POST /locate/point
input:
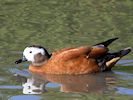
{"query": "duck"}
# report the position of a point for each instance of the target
(74, 60)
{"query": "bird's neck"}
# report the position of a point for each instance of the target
(37, 67)
(38, 64)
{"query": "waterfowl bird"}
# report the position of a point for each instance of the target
(78, 60)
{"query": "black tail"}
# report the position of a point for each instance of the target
(108, 42)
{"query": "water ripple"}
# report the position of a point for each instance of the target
(125, 91)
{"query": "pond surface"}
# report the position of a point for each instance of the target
(16, 83)
(56, 24)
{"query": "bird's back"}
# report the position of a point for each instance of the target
(71, 61)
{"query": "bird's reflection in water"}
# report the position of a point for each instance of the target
(70, 83)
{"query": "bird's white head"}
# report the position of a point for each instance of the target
(30, 52)
(35, 54)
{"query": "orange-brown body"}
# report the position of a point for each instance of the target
(81, 60)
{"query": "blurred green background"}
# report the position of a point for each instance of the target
(57, 24)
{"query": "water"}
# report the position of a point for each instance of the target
(16, 83)
(56, 24)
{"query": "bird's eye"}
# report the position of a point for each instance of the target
(30, 51)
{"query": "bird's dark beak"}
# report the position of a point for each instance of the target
(21, 60)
